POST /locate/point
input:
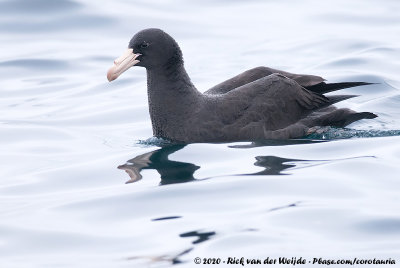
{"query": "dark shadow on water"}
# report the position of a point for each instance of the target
(167, 218)
(157, 260)
(199, 237)
(273, 165)
(179, 172)
(170, 171)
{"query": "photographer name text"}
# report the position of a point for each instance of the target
(292, 261)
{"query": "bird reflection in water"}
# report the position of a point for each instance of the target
(169, 170)
(180, 172)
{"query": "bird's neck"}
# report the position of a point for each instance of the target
(172, 96)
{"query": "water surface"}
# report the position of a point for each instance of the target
(70, 140)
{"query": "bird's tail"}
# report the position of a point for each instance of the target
(343, 117)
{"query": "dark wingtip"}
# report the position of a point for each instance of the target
(337, 98)
(323, 87)
(362, 83)
(368, 115)
(352, 84)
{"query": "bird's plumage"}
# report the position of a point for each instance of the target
(261, 103)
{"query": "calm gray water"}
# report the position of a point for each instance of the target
(67, 136)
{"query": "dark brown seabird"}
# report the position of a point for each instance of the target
(261, 103)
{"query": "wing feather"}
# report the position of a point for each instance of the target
(274, 100)
(254, 74)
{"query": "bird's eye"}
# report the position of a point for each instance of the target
(144, 45)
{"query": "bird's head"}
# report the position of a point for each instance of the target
(149, 48)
